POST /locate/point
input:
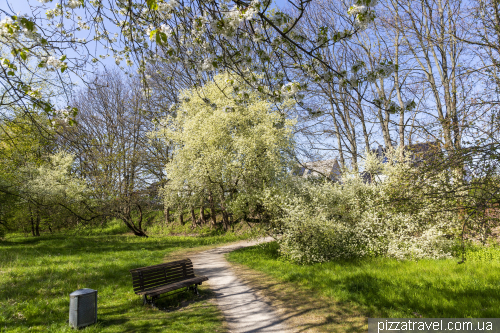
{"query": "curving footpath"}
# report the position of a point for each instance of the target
(243, 309)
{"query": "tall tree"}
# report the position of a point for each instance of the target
(226, 152)
(114, 153)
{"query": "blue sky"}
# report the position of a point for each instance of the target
(18, 6)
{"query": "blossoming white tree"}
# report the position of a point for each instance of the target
(225, 151)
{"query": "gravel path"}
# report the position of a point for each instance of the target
(243, 309)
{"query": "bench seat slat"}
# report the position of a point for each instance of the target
(162, 273)
(162, 279)
(173, 286)
(147, 286)
(145, 270)
(168, 264)
(159, 267)
(162, 276)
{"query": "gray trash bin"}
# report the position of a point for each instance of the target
(82, 307)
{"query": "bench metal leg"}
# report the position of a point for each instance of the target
(150, 301)
(196, 290)
(153, 299)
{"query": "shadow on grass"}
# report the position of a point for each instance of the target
(422, 297)
(383, 287)
(37, 276)
(173, 312)
(302, 311)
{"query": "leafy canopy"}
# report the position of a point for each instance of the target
(228, 141)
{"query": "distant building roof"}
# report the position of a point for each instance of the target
(329, 168)
(380, 153)
(424, 151)
(419, 152)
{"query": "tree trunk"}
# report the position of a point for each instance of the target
(337, 133)
(133, 228)
(181, 217)
(126, 217)
(212, 210)
(231, 222)
(193, 217)
(32, 223)
(37, 225)
(203, 220)
(225, 220)
(166, 210)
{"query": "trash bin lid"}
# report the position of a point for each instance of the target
(83, 291)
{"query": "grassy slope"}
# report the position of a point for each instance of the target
(38, 274)
(384, 287)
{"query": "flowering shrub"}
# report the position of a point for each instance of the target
(316, 222)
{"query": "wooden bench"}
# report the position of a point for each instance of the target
(152, 281)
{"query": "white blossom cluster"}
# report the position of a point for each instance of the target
(66, 115)
(290, 89)
(209, 64)
(168, 6)
(234, 18)
(52, 63)
(51, 13)
(15, 28)
(83, 25)
(5, 63)
(73, 4)
(165, 29)
(363, 12)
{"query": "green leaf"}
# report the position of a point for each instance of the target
(28, 24)
(23, 55)
(63, 69)
(10, 73)
(152, 4)
(164, 37)
(44, 41)
(63, 58)
(46, 106)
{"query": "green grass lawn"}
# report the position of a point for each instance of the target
(388, 288)
(38, 274)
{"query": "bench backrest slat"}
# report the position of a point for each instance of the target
(146, 278)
